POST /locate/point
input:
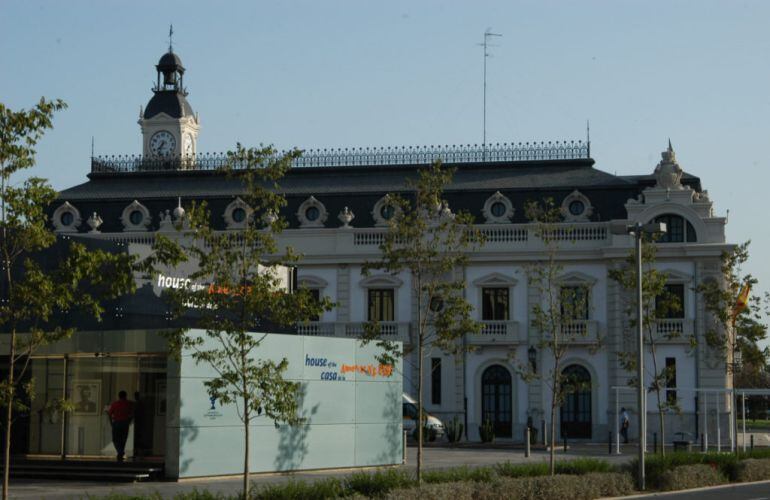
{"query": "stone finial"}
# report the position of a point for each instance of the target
(668, 173)
(179, 211)
(346, 216)
(94, 222)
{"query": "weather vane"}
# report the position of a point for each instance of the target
(170, 38)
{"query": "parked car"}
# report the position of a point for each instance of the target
(434, 426)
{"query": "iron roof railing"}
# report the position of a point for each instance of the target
(355, 157)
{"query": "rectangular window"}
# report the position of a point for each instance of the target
(435, 381)
(670, 303)
(574, 302)
(671, 380)
(381, 304)
(316, 294)
(494, 306)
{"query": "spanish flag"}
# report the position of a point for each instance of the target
(743, 300)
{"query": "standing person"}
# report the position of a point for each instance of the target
(121, 412)
(625, 422)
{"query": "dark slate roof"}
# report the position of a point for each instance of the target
(169, 60)
(171, 102)
(359, 188)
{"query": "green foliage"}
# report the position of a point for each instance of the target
(728, 464)
(691, 476)
(487, 431)
(454, 430)
(30, 296)
(300, 490)
(377, 483)
(430, 243)
(507, 469)
(465, 473)
(581, 466)
(246, 271)
(196, 494)
(525, 488)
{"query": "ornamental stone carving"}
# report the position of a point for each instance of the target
(668, 173)
(346, 216)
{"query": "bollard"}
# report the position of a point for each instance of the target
(542, 431)
(404, 447)
(752, 443)
(565, 442)
(655, 442)
(526, 446)
(609, 444)
(702, 444)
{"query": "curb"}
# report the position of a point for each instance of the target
(692, 490)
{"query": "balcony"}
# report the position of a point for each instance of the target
(389, 330)
(674, 330)
(580, 331)
(496, 333)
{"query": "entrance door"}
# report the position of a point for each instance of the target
(576, 409)
(496, 399)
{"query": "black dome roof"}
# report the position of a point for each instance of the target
(171, 102)
(169, 60)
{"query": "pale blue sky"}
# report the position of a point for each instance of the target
(361, 73)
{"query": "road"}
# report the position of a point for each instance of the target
(751, 491)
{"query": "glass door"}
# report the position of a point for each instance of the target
(92, 384)
(45, 417)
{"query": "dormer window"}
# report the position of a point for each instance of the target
(678, 229)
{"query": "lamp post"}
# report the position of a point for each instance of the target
(638, 230)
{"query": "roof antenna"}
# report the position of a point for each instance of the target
(488, 33)
(170, 38)
(92, 146)
(588, 137)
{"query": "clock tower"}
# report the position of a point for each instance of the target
(169, 125)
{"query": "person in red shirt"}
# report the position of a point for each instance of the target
(121, 412)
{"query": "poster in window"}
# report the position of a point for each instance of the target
(160, 398)
(86, 395)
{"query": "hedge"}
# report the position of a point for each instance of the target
(574, 487)
(686, 477)
(753, 469)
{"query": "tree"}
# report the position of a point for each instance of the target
(556, 315)
(246, 271)
(736, 315)
(426, 240)
(33, 296)
(658, 303)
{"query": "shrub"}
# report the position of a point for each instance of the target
(508, 469)
(300, 490)
(377, 483)
(657, 465)
(753, 469)
(487, 431)
(454, 430)
(585, 487)
(455, 474)
(583, 466)
(691, 476)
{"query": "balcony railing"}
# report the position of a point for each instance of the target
(496, 332)
(580, 331)
(355, 157)
(674, 329)
(389, 330)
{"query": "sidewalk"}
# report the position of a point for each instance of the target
(434, 458)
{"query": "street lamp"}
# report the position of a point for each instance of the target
(638, 230)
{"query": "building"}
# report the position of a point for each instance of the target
(338, 210)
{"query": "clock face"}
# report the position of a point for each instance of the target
(187, 145)
(162, 143)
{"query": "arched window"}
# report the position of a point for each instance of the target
(678, 229)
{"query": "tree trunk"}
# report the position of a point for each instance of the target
(662, 424)
(552, 454)
(9, 416)
(419, 411)
(246, 422)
